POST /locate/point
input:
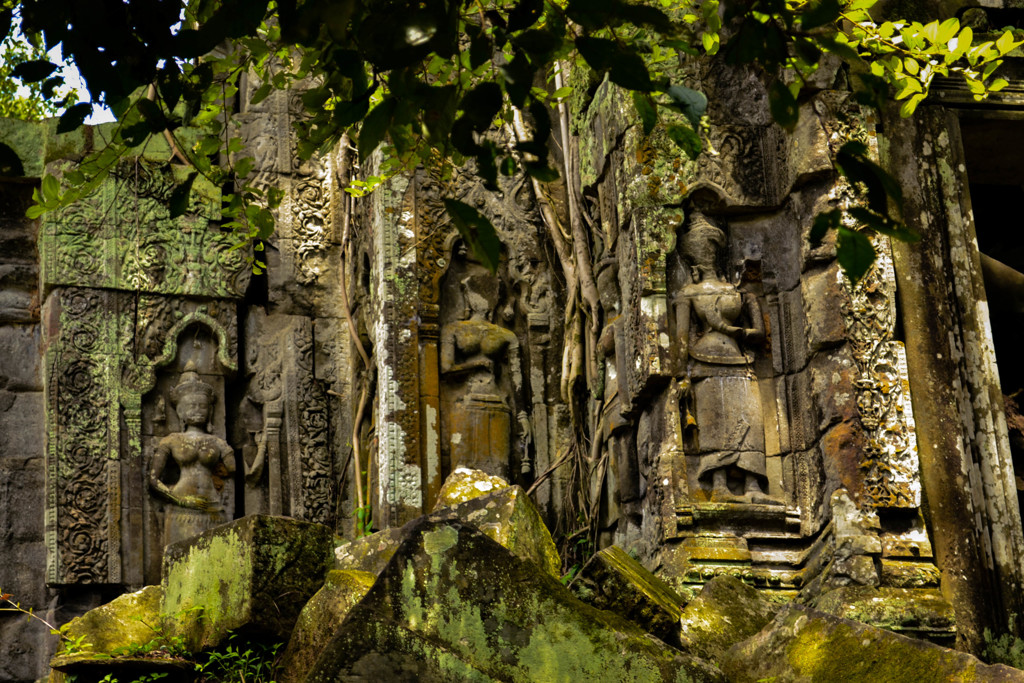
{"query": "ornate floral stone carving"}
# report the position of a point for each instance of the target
(83, 483)
(122, 237)
(890, 463)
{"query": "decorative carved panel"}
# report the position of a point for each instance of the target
(122, 237)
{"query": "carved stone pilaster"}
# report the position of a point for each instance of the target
(642, 250)
(890, 463)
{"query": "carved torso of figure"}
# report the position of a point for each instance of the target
(197, 455)
(718, 306)
(194, 497)
(474, 347)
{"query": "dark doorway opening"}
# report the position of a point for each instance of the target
(994, 151)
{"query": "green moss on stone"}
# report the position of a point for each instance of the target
(129, 620)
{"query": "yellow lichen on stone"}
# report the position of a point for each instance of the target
(465, 484)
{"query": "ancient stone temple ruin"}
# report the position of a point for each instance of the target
(661, 358)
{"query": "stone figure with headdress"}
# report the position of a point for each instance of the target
(718, 328)
(194, 498)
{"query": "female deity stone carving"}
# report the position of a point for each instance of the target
(715, 320)
(194, 498)
(474, 353)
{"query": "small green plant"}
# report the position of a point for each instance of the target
(239, 661)
(69, 645)
(1005, 648)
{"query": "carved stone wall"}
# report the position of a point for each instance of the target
(828, 377)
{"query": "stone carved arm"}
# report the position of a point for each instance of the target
(755, 333)
(227, 456)
(254, 471)
(683, 306)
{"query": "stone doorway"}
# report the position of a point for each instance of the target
(994, 155)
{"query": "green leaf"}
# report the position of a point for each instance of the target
(824, 222)
(208, 145)
(525, 14)
(629, 71)
(260, 94)
(692, 103)
(854, 163)
(854, 252)
(597, 51)
(783, 105)
(178, 203)
(647, 111)
(538, 43)
(883, 225)
(33, 70)
(152, 114)
(1004, 43)
(35, 211)
(820, 13)
(74, 117)
(49, 189)
(375, 127)
(947, 30)
(477, 232)
(687, 140)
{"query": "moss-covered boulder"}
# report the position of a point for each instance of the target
(368, 553)
(453, 605)
(466, 484)
(127, 622)
(803, 644)
(915, 612)
(614, 581)
(724, 613)
(319, 620)
(507, 515)
(255, 574)
(123, 639)
(510, 517)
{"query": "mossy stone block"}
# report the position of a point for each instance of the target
(132, 619)
(320, 618)
(368, 553)
(803, 644)
(508, 515)
(466, 484)
(255, 573)
(453, 605)
(614, 581)
(917, 612)
(27, 139)
(724, 613)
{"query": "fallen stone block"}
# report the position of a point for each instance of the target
(319, 620)
(914, 612)
(453, 605)
(127, 622)
(507, 515)
(466, 484)
(724, 613)
(805, 645)
(254, 573)
(614, 581)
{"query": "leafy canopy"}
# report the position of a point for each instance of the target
(427, 79)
